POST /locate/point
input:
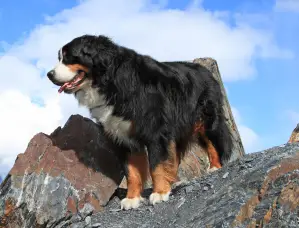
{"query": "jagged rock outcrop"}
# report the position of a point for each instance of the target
(238, 149)
(295, 135)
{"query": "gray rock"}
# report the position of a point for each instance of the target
(225, 175)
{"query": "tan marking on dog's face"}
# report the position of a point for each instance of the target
(77, 67)
(66, 72)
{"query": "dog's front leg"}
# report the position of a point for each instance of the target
(137, 173)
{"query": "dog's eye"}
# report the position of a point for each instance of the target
(81, 71)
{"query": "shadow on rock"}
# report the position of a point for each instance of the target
(92, 147)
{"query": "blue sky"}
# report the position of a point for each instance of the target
(23, 16)
(254, 42)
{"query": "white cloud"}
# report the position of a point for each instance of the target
(287, 5)
(250, 139)
(21, 118)
(164, 34)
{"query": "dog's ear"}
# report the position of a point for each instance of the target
(94, 55)
(87, 54)
(105, 50)
(96, 52)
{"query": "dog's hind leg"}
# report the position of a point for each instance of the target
(221, 138)
(217, 141)
(204, 141)
(213, 132)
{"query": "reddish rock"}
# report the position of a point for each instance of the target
(74, 171)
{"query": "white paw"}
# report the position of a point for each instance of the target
(158, 198)
(212, 169)
(133, 203)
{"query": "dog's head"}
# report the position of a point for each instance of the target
(79, 60)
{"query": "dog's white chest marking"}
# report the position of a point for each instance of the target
(118, 128)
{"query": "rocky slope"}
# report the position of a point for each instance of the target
(258, 190)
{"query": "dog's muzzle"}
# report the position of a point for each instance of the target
(69, 85)
(51, 76)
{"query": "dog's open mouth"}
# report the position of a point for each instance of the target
(78, 79)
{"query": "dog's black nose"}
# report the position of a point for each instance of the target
(51, 74)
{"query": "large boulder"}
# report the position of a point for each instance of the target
(66, 175)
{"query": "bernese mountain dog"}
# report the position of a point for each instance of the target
(154, 109)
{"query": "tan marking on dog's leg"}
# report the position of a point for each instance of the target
(164, 175)
(213, 156)
(212, 153)
(137, 175)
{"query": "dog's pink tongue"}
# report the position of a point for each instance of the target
(61, 89)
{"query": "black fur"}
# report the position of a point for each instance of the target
(164, 99)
